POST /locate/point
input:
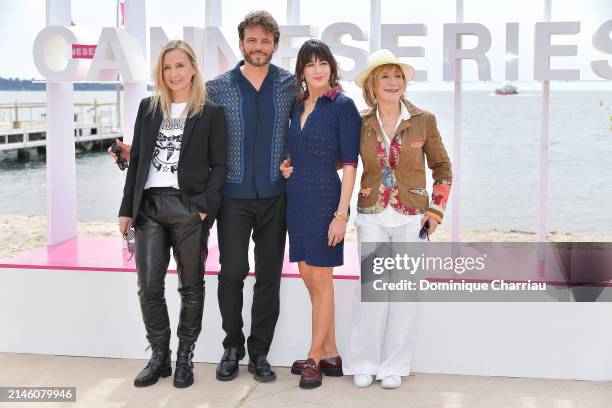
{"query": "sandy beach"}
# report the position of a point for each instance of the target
(19, 234)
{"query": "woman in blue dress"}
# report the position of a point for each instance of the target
(325, 128)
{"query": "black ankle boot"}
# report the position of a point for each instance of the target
(158, 366)
(183, 375)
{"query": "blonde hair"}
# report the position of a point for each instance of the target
(368, 83)
(161, 93)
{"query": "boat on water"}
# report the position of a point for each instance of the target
(507, 90)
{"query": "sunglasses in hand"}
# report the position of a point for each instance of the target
(424, 232)
(131, 242)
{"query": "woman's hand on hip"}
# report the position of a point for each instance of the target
(336, 232)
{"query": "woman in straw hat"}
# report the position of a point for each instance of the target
(393, 207)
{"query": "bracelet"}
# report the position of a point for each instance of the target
(341, 217)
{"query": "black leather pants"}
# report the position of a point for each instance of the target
(167, 220)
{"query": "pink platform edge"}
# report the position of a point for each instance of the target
(106, 254)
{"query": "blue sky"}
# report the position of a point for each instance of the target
(20, 22)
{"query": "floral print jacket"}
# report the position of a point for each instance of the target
(398, 179)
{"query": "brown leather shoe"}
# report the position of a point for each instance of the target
(311, 375)
(331, 366)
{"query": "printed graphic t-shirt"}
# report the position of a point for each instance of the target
(164, 164)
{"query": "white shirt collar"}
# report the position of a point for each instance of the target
(405, 115)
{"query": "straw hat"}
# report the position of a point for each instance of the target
(383, 57)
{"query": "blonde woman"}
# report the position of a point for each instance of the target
(171, 196)
(393, 206)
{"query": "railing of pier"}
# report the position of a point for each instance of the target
(19, 115)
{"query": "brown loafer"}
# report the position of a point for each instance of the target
(312, 377)
(331, 366)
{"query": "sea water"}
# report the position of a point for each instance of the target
(500, 162)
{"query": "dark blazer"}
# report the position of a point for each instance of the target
(202, 164)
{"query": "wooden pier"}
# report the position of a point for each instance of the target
(93, 122)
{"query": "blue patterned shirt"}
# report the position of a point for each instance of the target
(257, 123)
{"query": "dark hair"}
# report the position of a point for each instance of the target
(259, 18)
(314, 50)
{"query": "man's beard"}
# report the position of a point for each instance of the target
(251, 61)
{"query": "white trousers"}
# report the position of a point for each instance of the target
(382, 337)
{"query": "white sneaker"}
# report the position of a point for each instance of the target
(391, 381)
(362, 380)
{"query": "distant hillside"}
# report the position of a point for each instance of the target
(15, 84)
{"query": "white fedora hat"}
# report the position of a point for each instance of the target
(383, 57)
